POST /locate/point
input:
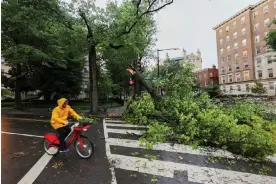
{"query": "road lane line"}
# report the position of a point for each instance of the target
(126, 125)
(115, 121)
(108, 154)
(25, 119)
(27, 135)
(123, 131)
(35, 171)
(195, 173)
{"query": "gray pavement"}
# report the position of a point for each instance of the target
(119, 158)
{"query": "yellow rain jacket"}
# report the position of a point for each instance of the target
(60, 114)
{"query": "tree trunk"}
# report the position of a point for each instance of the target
(93, 93)
(18, 103)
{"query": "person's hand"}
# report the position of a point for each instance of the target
(66, 123)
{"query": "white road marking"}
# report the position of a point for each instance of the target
(28, 135)
(179, 148)
(108, 154)
(35, 171)
(125, 125)
(115, 121)
(195, 173)
(124, 131)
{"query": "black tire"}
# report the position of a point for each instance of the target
(90, 146)
(49, 150)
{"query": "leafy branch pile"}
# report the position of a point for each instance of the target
(185, 117)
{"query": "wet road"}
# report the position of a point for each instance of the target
(119, 159)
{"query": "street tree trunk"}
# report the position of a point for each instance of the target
(93, 92)
(18, 102)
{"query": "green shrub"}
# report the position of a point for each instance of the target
(139, 109)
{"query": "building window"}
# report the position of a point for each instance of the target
(234, 24)
(270, 72)
(268, 48)
(223, 79)
(228, 58)
(271, 85)
(255, 14)
(205, 75)
(257, 39)
(266, 22)
(236, 46)
(259, 61)
(257, 27)
(243, 31)
(244, 54)
(230, 78)
(222, 69)
(258, 50)
(244, 42)
(238, 77)
(211, 74)
(236, 56)
(235, 35)
(228, 38)
(224, 89)
(221, 41)
(270, 60)
(237, 66)
(247, 87)
(245, 64)
(231, 88)
(239, 87)
(265, 9)
(229, 68)
(227, 28)
(85, 70)
(222, 60)
(221, 51)
(260, 73)
(242, 20)
(220, 32)
(274, 4)
(228, 48)
(246, 75)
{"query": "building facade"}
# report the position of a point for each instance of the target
(241, 49)
(207, 76)
(195, 59)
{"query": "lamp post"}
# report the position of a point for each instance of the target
(158, 50)
(158, 62)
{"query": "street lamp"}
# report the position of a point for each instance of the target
(158, 72)
(158, 50)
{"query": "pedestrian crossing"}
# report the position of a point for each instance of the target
(164, 161)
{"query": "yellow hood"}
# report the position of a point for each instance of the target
(61, 101)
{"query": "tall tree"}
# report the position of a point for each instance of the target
(26, 38)
(271, 37)
(110, 27)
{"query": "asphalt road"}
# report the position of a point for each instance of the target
(118, 158)
(21, 152)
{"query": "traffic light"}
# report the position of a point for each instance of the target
(131, 81)
(139, 65)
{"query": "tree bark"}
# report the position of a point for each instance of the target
(93, 92)
(18, 102)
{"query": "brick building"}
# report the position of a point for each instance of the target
(207, 76)
(241, 48)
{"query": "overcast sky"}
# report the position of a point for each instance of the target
(188, 24)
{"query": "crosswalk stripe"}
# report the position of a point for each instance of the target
(126, 125)
(167, 147)
(124, 131)
(196, 173)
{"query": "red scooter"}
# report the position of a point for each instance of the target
(83, 146)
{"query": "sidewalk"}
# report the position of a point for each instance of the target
(8, 111)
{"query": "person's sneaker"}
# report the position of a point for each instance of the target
(64, 151)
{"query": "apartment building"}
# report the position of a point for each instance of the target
(207, 76)
(241, 49)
